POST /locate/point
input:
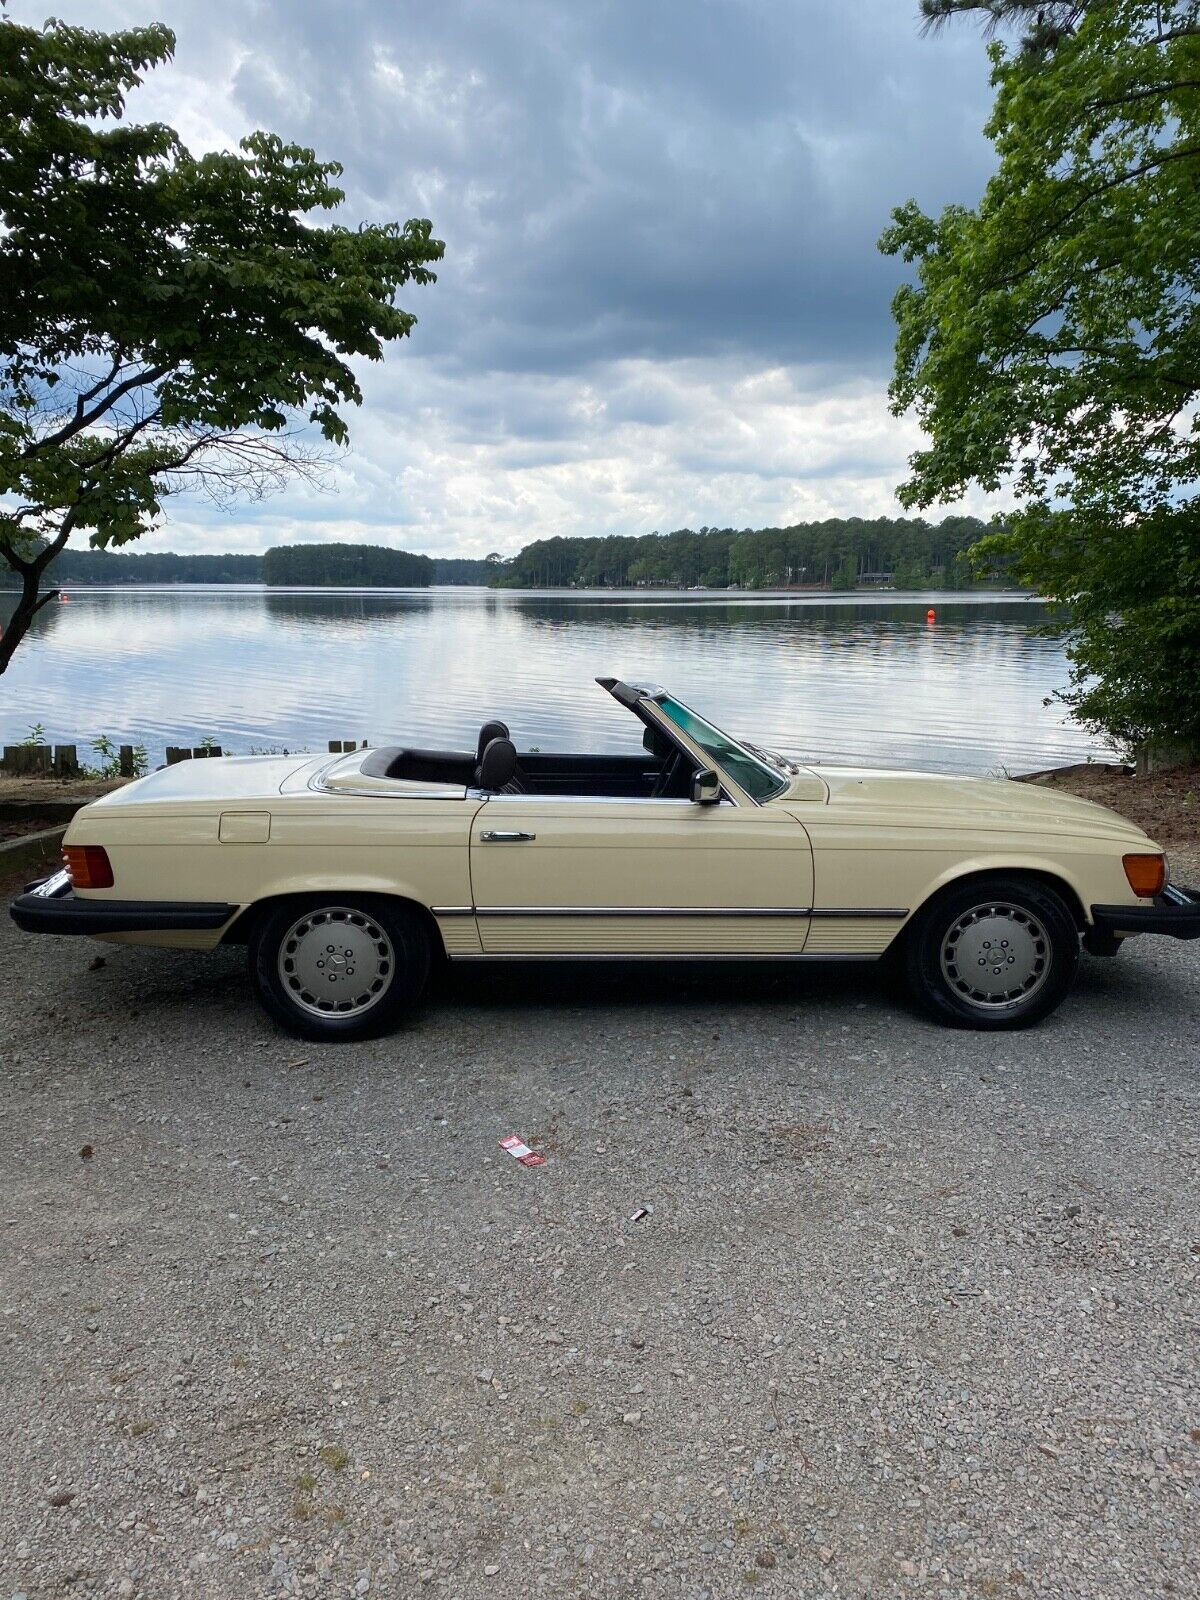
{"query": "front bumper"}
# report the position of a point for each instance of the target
(51, 906)
(1175, 912)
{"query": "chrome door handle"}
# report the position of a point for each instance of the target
(495, 836)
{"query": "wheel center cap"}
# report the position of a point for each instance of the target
(336, 962)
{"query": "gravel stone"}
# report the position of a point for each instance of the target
(914, 1314)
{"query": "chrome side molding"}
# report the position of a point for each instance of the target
(642, 911)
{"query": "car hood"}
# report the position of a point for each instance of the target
(983, 802)
(214, 779)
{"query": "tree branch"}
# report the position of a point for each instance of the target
(1094, 194)
(118, 445)
(1142, 94)
(102, 383)
(84, 419)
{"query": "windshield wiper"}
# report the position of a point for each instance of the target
(772, 757)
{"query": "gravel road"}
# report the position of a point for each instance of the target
(911, 1312)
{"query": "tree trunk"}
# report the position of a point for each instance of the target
(30, 603)
(27, 608)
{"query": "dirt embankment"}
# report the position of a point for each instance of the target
(41, 791)
(30, 805)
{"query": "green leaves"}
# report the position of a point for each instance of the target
(1051, 339)
(166, 321)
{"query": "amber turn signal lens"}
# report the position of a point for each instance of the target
(88, 866)
(1147, 874)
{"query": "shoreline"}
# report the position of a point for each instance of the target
(947, 596)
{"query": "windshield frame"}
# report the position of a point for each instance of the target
(766, 780)
(647, 702)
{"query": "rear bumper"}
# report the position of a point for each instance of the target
(51, 907)
(1175, 912)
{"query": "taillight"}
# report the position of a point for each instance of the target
(1147, 874)
(88, 866)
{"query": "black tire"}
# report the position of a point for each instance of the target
(1017, 922)
(389, 943)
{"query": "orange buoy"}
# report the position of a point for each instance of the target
(931, 615)
(63, 598)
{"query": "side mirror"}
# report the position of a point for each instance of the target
(706, 788)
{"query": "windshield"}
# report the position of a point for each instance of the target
(755, 775)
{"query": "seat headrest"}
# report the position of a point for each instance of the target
(489, 731)
(498, 764)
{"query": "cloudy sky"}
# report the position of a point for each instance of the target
(661, 304)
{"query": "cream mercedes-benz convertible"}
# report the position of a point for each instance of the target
(347, 875)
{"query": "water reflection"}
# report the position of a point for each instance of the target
(835, 679)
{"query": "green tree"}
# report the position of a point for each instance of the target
(1051, 342)
(846, 576)
(345, 566)
(1045, 22)
(166, 321)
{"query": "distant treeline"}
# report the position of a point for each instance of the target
(118, 566)
(319, 564)
(345, 566)
(841, 553)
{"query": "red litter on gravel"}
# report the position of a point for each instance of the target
(526, 1156)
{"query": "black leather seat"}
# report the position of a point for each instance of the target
(489, 731)
(497, 771)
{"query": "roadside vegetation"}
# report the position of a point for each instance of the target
(1050, 342)
(107, 752)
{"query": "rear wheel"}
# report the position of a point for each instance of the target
(995, 953)
(343, 967)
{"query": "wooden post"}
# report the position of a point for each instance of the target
(126, 761)
(335, 747)
(27, 760)
(1164, 755)
(176, 753)
(202, 750)
(66, 761)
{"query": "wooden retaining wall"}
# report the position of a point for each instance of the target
(62, 760)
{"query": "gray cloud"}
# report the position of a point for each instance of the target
(645, 202)
(650, 178)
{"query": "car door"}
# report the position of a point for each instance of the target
(567, 876)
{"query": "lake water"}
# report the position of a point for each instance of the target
(827, 678)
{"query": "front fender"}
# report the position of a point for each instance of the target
(1087, 879)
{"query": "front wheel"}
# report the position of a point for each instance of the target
(996, 953)
(341, 967)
